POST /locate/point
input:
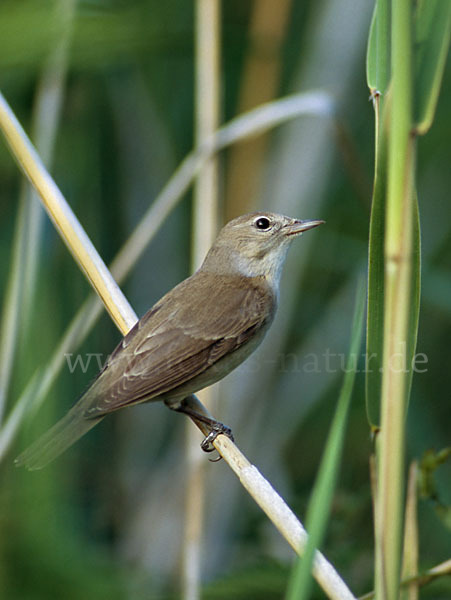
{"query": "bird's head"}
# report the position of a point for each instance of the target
(255, 245)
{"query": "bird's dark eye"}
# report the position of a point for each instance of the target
(262, 223)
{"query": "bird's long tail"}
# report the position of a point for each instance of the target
(57, 439)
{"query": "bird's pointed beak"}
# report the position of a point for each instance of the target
(297, 227)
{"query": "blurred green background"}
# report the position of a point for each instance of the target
(106, 520)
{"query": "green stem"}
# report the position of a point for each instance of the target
(398, 268)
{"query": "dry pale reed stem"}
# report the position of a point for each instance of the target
(207, 94)
(282, 517)
(65, 221)
(274, 507)
(21, 285)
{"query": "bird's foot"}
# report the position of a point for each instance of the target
(193, 408)
(217, 428)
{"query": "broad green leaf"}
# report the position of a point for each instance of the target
(415, 285)
(432, 36)
(378, 50)
(375, 310)
(371, 53)
(321, 499)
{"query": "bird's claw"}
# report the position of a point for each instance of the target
(216, 429)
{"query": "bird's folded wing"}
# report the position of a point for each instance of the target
(176, 341)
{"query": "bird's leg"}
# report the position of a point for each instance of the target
(192, 407)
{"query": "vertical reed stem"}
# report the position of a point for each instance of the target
(205, 210)
(398, 268)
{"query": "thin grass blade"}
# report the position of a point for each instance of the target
(319, 505)
(432, 37)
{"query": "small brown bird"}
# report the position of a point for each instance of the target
(195, 335)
